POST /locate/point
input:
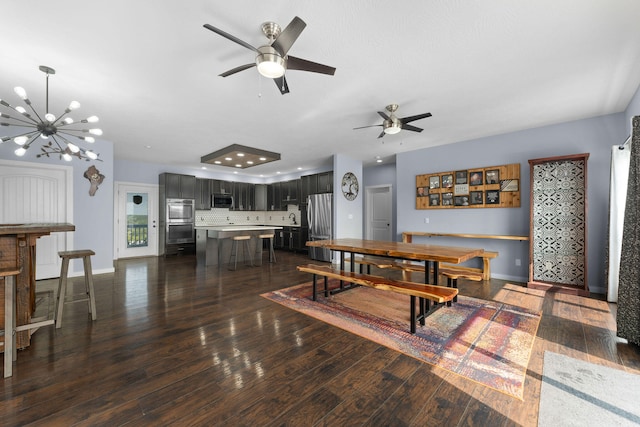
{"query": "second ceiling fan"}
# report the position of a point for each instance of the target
(392, 124)
(272, 59)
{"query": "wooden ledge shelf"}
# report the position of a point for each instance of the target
(407, 236)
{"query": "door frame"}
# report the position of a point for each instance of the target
(125, 186)
(369, 209)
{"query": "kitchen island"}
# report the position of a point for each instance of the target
(213, 243)
(18, 249)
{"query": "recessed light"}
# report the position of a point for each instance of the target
(240, 154)
(278, 172)
(299, 169)
(204, 168)
(249, 162)
(228, 159)
(147, 146)
(238, 166)
(379, 161)
(218, 162)
(262, 159)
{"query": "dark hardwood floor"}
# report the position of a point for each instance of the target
(179, 344)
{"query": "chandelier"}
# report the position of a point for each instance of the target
(58, 132)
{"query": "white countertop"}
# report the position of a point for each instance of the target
(233, 227)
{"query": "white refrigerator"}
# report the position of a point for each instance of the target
(320, 221)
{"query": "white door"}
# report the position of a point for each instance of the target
(38, 193)
(137, 220)
(379, 213)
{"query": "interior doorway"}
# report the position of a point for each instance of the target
(136, 219)
(379, 213)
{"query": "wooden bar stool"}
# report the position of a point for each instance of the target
(85, 254)
(272, 254)
(245, 251)
(10, 351)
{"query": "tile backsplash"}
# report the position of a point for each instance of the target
(217, 216)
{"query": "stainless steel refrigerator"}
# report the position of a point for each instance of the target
(320, 221)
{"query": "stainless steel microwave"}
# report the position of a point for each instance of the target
(222, 201)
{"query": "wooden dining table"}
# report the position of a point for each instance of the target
(431, 255)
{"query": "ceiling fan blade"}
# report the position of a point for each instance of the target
(363, 127)
(413, 118)
(411, 128)
(288, 36)
(294, 63)
(283, 87)
(381, 135)
(237, 69)
(384, 116)
(230, 37)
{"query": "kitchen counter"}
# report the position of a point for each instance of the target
(213, 243)
(234, 227)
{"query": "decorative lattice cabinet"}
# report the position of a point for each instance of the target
(558, 221)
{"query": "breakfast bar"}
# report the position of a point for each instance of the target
(18, 250)
(213, 243)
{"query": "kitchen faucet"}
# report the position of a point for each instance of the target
(292, 215)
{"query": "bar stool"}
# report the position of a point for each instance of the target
(85, 254)
(245, 251)
(272, 254)
(10, 351)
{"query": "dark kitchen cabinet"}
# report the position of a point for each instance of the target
(274, 197)
(325, 182)
(244, 194)
(290, 239)
(221, 187)
(177, 186)
(308, 185)
(203, 193)
(290, 191)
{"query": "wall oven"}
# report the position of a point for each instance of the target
(180, 210)
(180, 232)
(180, 221)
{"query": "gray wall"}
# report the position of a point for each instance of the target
(594, 136)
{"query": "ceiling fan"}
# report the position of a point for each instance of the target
(272, 60)
(392, 124)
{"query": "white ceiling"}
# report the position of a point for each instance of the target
(149, 70)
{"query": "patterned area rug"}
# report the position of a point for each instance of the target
(486, 342)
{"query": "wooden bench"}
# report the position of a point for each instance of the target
(381, 262)
(453, 275)
(437, 294)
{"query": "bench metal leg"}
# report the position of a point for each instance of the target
(452, 283)
(413, 314)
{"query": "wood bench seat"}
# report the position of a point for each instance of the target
(437, 294)
(382, 262)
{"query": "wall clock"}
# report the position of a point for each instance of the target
(350, 186)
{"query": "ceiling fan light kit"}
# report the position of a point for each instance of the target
(270, 63)
(58, 130)
(272, 60)
(392, 125)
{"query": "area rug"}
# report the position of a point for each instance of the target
(487, 342)
(579, 393)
